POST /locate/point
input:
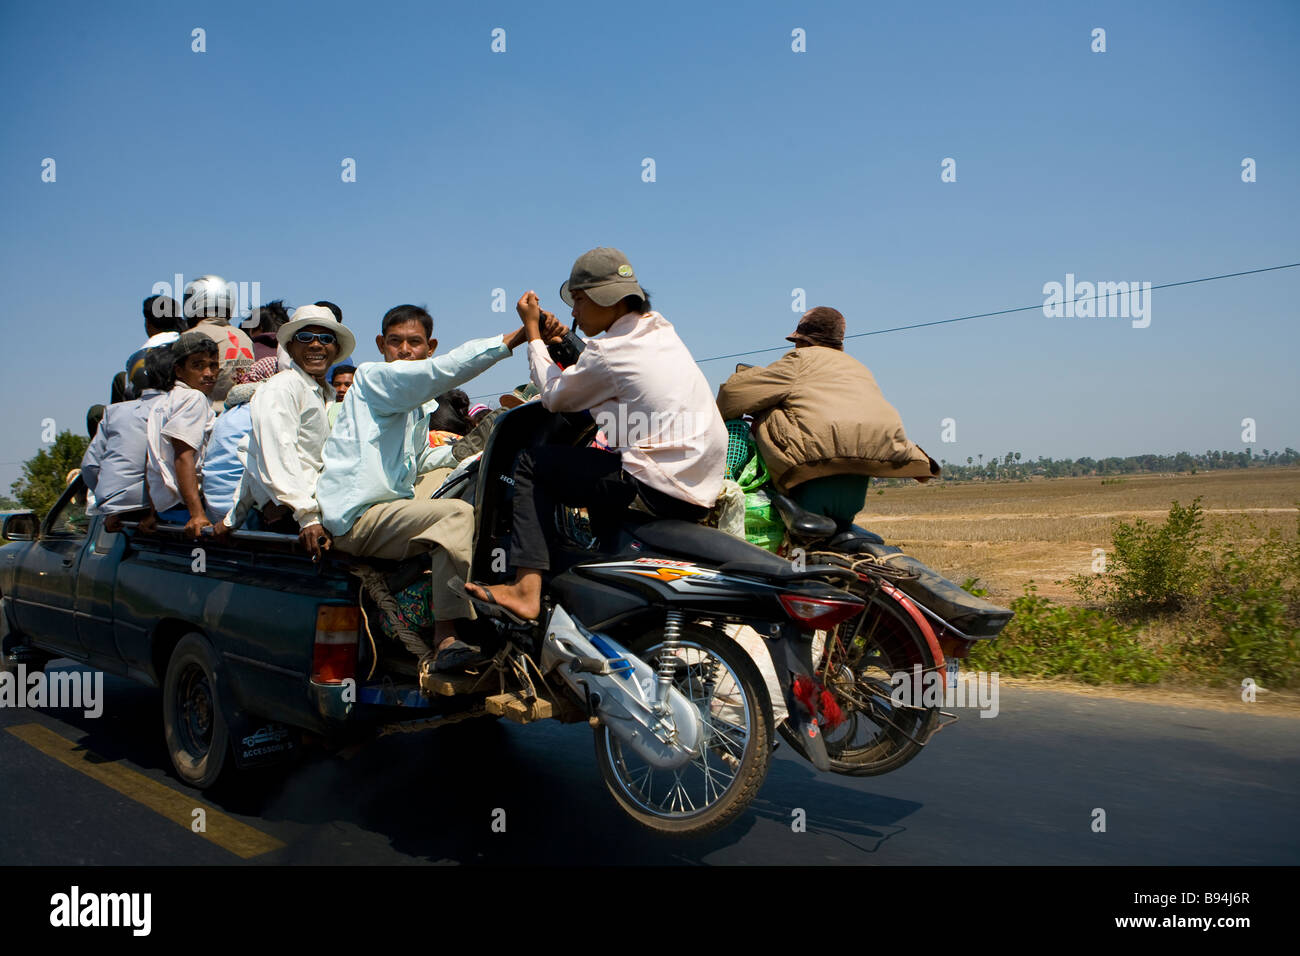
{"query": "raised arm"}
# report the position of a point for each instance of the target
(395, 388)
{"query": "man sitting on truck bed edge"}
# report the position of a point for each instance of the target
(379, 446)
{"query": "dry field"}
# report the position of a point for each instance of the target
(1006, 533)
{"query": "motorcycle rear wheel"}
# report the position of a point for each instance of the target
(877, 736)
(712, 790)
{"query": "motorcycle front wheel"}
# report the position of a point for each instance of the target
(710, 791)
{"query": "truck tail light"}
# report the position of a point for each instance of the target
(334, 656)
(819, 613)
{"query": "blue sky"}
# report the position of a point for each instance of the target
(775, 170)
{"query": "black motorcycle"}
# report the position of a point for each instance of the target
(632, 637)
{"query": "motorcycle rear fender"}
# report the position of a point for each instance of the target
(918, 619)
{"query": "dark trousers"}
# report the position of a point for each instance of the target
(580, 478)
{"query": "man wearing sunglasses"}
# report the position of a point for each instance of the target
(290, 425)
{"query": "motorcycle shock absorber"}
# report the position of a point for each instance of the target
(668, 658)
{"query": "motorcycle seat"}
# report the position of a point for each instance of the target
(802, 525)
(805, 527)
(687, 540)
(855, 540)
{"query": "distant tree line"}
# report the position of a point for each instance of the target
(1010, 465)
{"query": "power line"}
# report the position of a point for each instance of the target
(985, 315)
(981, 315)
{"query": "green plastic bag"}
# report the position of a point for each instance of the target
(763, 526)
(754, 475)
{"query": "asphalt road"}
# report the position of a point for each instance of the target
(1178, 786)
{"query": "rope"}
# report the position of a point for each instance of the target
(379, 593)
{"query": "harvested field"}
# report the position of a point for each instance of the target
(1008, 532)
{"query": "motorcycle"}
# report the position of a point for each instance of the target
(632, 637)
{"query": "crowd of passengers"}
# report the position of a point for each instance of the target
(266, 426)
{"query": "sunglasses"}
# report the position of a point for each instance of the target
(324, 338)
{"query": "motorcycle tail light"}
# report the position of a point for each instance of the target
(334, 655)
(819, 613)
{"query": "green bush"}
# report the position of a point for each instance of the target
(1050, 640)
(1253, 609)
(1152, 568)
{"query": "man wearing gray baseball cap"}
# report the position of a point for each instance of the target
(667, 443)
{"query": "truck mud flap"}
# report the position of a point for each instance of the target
(257, 742)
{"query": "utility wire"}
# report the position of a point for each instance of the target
(985, 315)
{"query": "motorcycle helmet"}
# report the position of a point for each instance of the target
(208, 297)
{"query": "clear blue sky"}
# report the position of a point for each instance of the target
(775, 170)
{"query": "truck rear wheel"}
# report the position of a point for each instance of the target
(198, 741)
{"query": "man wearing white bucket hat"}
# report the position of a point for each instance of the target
(290, 425)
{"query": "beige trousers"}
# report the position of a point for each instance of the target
(395, 530)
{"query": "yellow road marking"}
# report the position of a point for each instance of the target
(226, 832)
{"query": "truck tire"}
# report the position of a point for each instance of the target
(198, 741)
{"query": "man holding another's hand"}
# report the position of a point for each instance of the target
(380, 445)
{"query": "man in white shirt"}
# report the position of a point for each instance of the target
(668, 444)
(179, 426)
(290, 425)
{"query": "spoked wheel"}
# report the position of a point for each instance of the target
(197, 739)
(856, 663)
(715, 787)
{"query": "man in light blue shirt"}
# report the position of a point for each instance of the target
(379, 446)
(223, 464)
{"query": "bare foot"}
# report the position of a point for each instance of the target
(523, 597)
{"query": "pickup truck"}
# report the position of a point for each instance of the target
(251, 643)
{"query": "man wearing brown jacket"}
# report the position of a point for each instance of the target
(821, 423)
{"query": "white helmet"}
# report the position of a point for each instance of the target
(209, 297)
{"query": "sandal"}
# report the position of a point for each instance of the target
(457, 656)
(488, 606)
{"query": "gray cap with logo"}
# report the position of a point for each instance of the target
(604, 274)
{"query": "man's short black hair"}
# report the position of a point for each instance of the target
(452, 413)
(160, 369)
(163, 314)
(94, 415)
(407, 313)
(268, 317)
(350, 369)
(338, 313)
(635, 303)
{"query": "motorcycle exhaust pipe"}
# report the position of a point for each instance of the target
(621, 688)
